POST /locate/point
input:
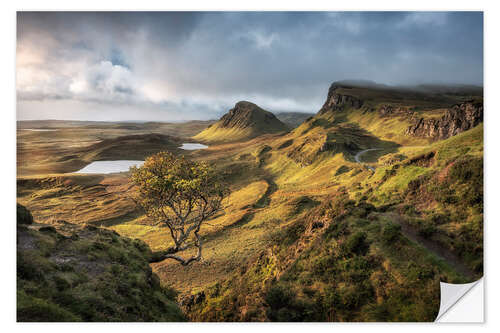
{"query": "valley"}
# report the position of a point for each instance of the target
(354, 213)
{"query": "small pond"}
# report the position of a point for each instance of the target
(193, 146)
(38, 129)
(109, 166)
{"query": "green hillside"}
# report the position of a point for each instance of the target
(86, 274)
(357, 214)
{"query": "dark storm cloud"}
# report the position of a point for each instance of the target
(195, 65)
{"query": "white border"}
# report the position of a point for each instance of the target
(8, 168)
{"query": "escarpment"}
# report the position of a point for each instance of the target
(338, 101)
(459, 118)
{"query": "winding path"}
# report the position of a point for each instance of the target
(358, 155)
(432, 246)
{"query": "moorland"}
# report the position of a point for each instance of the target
(354, 213)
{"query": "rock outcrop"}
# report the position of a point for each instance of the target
(389, 110)
(23, 215)
(246, 114)
(336, 101)
(457, 119)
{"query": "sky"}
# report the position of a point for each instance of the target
(176, 66)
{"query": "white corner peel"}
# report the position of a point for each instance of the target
(455, 302)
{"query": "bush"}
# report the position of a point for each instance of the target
(440, 218)
(467, 170)
(336, 229)
(363, 209)
(427, 229)
(357, 243)
(289, 235)
(342, 169)
(284, 307)
(391, 232)
(279, 297)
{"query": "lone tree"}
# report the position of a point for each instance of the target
(178, 194)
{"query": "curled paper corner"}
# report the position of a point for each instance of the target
(460, 303)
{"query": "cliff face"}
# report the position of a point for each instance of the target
(336, 101)
(457, 119)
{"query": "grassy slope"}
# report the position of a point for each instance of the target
(89, 274)
(263, 243)
(235, 239)
(216, 133)
(322, 277)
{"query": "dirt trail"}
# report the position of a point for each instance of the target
(437, 249)
(358, 156)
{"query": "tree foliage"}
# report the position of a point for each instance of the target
(178, 194)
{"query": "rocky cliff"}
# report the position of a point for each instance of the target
(337, 101)
(457, 119)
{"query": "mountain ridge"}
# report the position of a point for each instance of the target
(245, 120)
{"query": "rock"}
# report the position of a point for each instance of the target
(23, 215)
(317, 225)
(190, 300)
(246, 114)
(388, 110)
(199, 297)
(457, 119)
(48, 229)
(336, 101)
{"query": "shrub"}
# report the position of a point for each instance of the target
(336, 229)
(440, 218)
(342, 169)
(362, 209)
(357, 244)
(289, 235)
(427, 229)
(391, 232)
(279, 297)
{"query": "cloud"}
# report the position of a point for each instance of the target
(425, 19)
(104, 81)
(262, 40)
(197, 65)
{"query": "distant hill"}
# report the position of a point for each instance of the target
(133, 146)
(293, 119)
(181, 129)
(246, 120)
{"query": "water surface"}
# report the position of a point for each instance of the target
(193, 146)
(109, 166)
(38, 129)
